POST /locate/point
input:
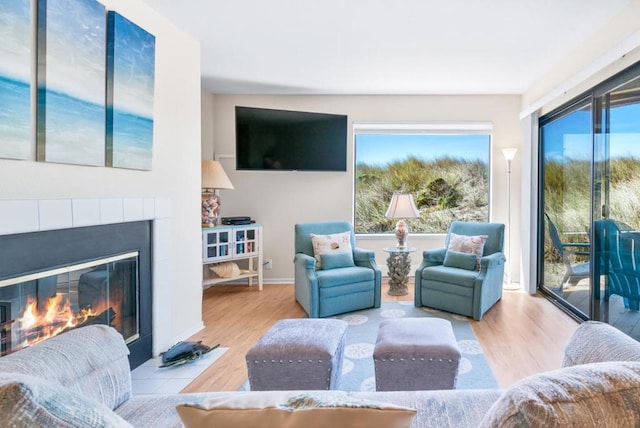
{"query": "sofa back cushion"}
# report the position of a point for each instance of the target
(589, 395)
(26, 401)
(595, 342)
(91, 361)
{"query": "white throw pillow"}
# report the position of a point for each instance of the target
(330, 244)
(468, 244)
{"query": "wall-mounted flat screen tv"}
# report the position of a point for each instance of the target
(268, 139)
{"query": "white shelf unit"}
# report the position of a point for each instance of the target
(231, 243)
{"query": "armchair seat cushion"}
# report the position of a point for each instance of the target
(348, 275)
(462, 277)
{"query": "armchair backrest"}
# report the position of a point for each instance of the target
(494, 232)
(303, 233)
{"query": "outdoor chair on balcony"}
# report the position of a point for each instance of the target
(465, 277)
(619, 247)
(332, 275)
(574, 272)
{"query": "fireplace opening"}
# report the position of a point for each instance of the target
(74, 276)
(39, 306)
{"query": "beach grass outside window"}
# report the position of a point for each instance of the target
(444, 167)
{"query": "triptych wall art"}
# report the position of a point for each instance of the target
(15, 79)
(95, 82)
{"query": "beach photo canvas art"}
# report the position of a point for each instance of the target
(130, 93)
(15, 78)
(71, 109)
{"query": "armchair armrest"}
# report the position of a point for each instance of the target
(435, 256)
(430, 258)
(304, 261)
(364, 258)
(492, 260)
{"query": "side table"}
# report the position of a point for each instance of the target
(399, 265)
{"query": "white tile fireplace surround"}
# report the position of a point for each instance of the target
(23, 216)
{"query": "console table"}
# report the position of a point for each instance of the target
(232, 243)
(399, 265)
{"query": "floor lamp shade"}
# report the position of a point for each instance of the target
(213, 177)
(402, 206)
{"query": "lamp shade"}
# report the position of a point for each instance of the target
(509, 154)
(213, 176)
(402, 206)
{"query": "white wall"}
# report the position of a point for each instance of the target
(176, 166)
(279, 199)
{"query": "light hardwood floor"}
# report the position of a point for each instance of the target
(521, 335)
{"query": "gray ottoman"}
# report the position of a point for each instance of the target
(298, 354)
(413, 354)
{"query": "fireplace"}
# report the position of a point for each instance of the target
(53, 281)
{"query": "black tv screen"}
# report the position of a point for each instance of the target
(268, 139)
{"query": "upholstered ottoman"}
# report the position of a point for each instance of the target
(413, 354)
(298, 354)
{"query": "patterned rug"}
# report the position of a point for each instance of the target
(358, 372)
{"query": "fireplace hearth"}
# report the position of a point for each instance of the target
(53, 281)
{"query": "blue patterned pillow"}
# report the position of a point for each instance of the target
(26, 401)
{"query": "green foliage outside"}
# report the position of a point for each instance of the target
(568, 198)
(444, 190)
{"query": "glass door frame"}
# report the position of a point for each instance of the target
(600, 170)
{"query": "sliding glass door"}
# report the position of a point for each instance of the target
(616, 208)
(566, 164)
(589, 262)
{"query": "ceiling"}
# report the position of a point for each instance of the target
(383, 47)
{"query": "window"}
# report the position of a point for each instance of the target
(445, 168)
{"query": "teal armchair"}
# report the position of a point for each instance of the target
(457, 282)
(334, 289)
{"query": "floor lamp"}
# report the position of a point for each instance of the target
(509, 154)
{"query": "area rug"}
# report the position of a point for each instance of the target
(150, 378)
(358, 372)
(357, 367)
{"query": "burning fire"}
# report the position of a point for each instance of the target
(55, 319)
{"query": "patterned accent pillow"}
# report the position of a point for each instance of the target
(468, 244)
(289, 409)
(26, 401)
(330, 244)
(589, 395)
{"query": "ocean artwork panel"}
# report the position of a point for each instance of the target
(15, 79)
(130, 94)
(71, 108)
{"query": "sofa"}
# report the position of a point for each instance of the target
(84, 373)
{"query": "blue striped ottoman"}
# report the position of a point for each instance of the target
(415, 354)
(298, 354)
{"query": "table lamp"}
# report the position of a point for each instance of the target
(213, 177)
(402, 207)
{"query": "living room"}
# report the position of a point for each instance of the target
(192, 123)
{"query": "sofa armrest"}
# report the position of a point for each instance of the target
(595, 342)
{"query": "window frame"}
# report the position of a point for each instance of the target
(420, 128)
